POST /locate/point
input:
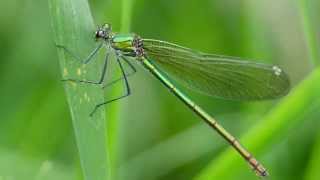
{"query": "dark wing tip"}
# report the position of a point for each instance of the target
(279, 82)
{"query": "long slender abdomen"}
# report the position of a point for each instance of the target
(256, 166)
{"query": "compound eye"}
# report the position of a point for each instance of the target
(97, 34)
(101, 33)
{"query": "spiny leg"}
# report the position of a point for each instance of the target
(102, 77)
(127, 75)
(128, 90)
(87, 59)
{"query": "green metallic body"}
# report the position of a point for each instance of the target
(214, 75)
(124, 43)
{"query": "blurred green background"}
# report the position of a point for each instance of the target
(159, 138)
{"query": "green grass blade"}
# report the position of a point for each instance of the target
(115, 110)
(126, 15)
(312, 170)
(73, 27)
(268, 130)
(313, 167)
(309, 31)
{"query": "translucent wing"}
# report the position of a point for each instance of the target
(215, 75)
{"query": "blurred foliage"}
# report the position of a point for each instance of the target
(72, 24)
(158, 137)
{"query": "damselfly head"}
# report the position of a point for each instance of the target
(103, 32)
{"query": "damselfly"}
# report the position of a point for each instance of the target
(214, 75)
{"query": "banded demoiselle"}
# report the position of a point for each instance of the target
(214, 75)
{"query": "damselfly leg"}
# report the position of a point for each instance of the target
(101, 80)
(74, 55)
(127, 74)
(102, 76)
(128, 90)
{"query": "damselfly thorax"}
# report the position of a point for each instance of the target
(128, 44)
